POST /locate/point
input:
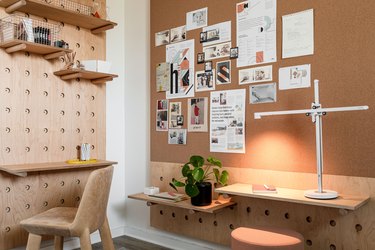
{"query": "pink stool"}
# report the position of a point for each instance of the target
(262, 238)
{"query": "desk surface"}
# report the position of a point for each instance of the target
(215, 206)
(349, 202)
(23, 169)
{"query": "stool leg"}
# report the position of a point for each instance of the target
(59, 242)
(85, 241)
(33, 242)
(105, 235)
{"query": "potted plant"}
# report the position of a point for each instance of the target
(196, 176)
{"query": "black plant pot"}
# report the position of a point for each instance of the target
(204, 197)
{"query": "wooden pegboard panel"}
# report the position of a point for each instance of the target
(322, 227)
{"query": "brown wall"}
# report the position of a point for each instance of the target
(343, 62)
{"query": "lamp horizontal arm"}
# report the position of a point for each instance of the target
(258, 115)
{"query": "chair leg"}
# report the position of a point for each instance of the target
(59, 242)
(85, 241)
(105, 235)
(33, 242)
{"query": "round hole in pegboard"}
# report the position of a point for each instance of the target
(62, 59)
(186, 217)
(78, 147)
(215, 223)
(78, 28)
(27, 73)
(248, 209)
(62, 6)
(62, 24)
(78, 113)
(7, 229)
(78, 181)
(62, 201)
(45, 130)
(45, 93)
(173, 215)
(27, 54)
(45, 75)
(92, 98)
(45, 203)
(231, 226)
(27, 206)
(92, 147)
(7, 110)
(358, 227)
(27, 92)
(92, 48)
(7, 189)
(62, 183)
(45, 185)
(78, 45)
(92, 131)
(7, 129)
(267, 212)
(78, 130)
(78, 10)
(332, 223)
(45, 20)
(27, 187)
(7, 149)
(62, 148)
(78, 198)
(45, 112)
(308, 219)
(7, 90)
(161, 212)
(200, 220)
(62, 130)
(7, 209)
(78, 79)
(27, 149)
(27, 15)
(92, 114)
(62, 95)
(7, 70)
(286, 216)
(27, 130)
(78, 96)
(161, 178)
(62, 112)
(309, 242)
(332, 247)
(27, 111)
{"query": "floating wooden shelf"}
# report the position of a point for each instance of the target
(38, 8)
(23, 169)
(95, 77)
(215, 206)
(49, 52)
(347, 202)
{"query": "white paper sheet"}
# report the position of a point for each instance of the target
(298, 34)
(254, 75)
(262, 93)
(197, 114)
(256, 32)
(227, 121)
(295, 77)
(196, 19)
(218, 33)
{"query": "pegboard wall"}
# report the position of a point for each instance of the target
(45, 119)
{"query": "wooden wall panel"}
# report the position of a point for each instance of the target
(342, 62)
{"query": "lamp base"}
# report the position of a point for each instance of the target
(324, 195)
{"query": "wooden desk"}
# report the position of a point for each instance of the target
(347, 202)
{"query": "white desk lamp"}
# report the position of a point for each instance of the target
(316, 112)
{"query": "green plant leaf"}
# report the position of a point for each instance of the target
(177, 183)
(214, 161)
(190, 179)
(173, 186)
(217, 174)
(198, 174)
(191, 190)
(185, 170)
(197, 161)
(224, 177)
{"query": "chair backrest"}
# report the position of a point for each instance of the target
(93, 207)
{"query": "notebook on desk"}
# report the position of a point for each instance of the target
(169, 196)
(263, 188)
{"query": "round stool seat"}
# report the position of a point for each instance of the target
(262, 238)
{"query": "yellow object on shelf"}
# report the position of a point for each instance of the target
(77, 161)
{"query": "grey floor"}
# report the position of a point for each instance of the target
(128, 243)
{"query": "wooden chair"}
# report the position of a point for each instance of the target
(76, 222)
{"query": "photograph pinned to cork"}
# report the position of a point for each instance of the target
(197, 19)
(254, 75)
(178, 34)
(223, 72)
(205, 80)
(177, 136)
(262, 93)
(162, 38)
(200, 58)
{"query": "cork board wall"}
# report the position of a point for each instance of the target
(342, 61)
